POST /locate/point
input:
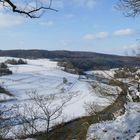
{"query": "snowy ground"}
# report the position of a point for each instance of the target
(103, 73)
(4, 97)
(124, 127)
(45, 78)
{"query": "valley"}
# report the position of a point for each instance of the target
(77, 101)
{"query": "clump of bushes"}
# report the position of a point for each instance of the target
(16, 62)
(125, 72)
(4, 69)
(70, 68)
(121, 74)
(5, 72)
(3, 66)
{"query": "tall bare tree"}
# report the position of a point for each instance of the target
(45, 109)
(50, 109)
(30, 8)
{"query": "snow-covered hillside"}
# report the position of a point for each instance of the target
(45, 78)
(127, 126)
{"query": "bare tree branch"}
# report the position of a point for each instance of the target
(130, 8)
(32, 12)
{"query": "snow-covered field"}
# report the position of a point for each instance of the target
(45, 78)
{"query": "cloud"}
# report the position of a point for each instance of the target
(102, 35)
(124, 32)
(89, 37)
(99, 35)
(7, 20)
(131, 46)
(132, 49)
(85, 3)
(47, 23)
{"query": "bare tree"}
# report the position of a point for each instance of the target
(46, 110)
(30, 8)
(50, 110)
(4, 121)
(27, 116)
(92, 108)
(130, 7)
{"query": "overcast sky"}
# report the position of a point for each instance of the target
(80, 25)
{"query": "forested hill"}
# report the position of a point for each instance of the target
(81, 60)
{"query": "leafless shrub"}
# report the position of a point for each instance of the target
(92, 108)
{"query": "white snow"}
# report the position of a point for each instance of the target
(126, 126)
(46, 78)
(4, 97)
(103, 73)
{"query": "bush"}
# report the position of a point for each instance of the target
(120, 74)
(65, 80)
(16, 62)
(124, 72)
(21, 61)
(11, 61)
(3, 66)
(4, 69)
(70, 68)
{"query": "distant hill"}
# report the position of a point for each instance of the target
(80, 60)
